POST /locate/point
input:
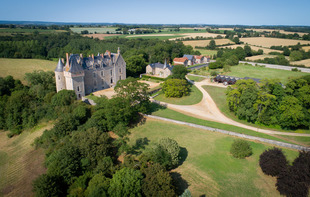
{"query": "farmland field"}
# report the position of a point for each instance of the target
(268, 42)
(94, 29)
(9, 32)
(306, 48)
(259, 57)
(206, 35)
(20, 163)
(207, 52)
(18, 67)
(260, 72)
(209, 169)
(255, 48)
(305, 62)
(281, 31)
(204, 43)
(101, 36)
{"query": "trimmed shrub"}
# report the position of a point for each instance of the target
(272, 161)
(176, 88)
(240, 149)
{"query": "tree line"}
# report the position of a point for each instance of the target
(269, 103)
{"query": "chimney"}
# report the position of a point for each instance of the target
(81, 55)
(92, 56)
(118, 51)
(101, 55)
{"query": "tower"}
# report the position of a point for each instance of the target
(74, 75)
(59, 76)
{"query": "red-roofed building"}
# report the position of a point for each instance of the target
(180, 61)
(200, 59)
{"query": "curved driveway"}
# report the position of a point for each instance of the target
(208, 110)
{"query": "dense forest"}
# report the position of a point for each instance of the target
(269, 103)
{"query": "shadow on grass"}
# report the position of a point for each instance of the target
(183, 155)
(180, 184)
(156, 106)
(139, 146)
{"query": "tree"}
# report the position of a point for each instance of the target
(175, 88)
(273, 161)
(248, 50)
(63, 98)
(157, 182)
(135, 65)
(48, 185)
(98, 186)
(240, 149)
(295, 56)
(211, 45)
(236, 40)
(126, 182)
(135, 92)
(179, 72)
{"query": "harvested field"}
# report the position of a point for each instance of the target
(305, 62)
(143, 35)
(306, 48)
(266, 51)
(268, 42)
(259, 57)
(204, 43)
(99, 30)
(224, 28)
(100, 36)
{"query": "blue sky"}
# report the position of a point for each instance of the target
(244, 12)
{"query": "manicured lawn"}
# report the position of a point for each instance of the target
(260, 72)
(171, 114)
(195, 78)
(18, 67)
(219, 96)
(209, 169)
(194, 97)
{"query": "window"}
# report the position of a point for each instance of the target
(111, 80)
(94, 74)
(120, 77)
(95, 83)
(111, 72)
(58, 77)
(120, 70)
(102, 74)
(78, 88)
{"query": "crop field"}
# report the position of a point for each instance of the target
(101, 36)
(261, 72)
(268, 42)
(9, 32)
(194, 35)
(305, 62)
(18, 67)
(306, 48)
(155, 36)
(208, 168)
(204, 43)
(259, 57)
(20, 163)
(280, 31)
(100, 30)
(255, 48)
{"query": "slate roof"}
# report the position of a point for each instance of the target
(60, 66)
(190, 57)
(161, 66)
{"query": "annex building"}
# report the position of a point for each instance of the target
(85, 75)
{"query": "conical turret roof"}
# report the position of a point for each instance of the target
(60, 66)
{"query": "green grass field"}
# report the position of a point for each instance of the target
(195, 78)
(260, 72)
(219, 96)
(207, 52)
(194, 97)
(209, 169)
(18, 67)
(171, 114)
(99, 30)
(8, 31)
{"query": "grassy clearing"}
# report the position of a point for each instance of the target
(207, 52)
(171, 114)
(209, 169)
(262, 73)
(18, 67)
(20, 163)
(219, 96)
(194, 97)
(195, 79)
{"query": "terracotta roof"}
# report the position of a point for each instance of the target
(198, 56)
(181, 59)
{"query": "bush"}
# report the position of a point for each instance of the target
(295, 69)
(240, 149)
(272, 161)
(214, 73)
(176, 88)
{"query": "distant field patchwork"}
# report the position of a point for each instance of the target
(18, 67)
(268, 42)
(99, 30)
(255, 48)
(204, 43)
(305, 62)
